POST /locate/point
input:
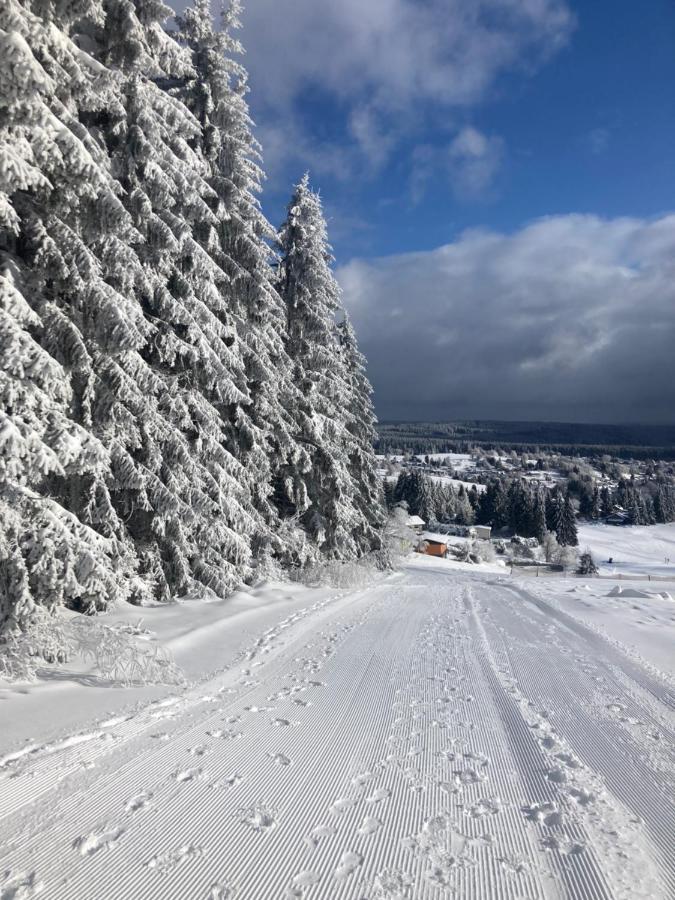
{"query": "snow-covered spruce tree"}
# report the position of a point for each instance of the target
(196, 527)
(335, 517)
(263, 428)
(565, 524)
(63, 541)
(361, 421)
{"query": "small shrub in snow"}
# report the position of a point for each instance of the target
(344, 575)
(45, 639)
(484, 551)
(587, 564)
(566, 557)
(116, 656)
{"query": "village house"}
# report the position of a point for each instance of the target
(416, 523)
(433, 544)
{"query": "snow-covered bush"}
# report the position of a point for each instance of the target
(484, 551)
(45, 639)
(336, 574)
(399, 539)
(587, 564)
(118, 656)
(566, 557)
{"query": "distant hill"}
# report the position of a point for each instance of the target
(637, 441)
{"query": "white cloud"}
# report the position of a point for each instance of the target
(474, 160)
(571, 317)
(388, 62)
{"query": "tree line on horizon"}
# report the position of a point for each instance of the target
(184, 403)
(514, 505)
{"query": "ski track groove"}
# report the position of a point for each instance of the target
(409, 665)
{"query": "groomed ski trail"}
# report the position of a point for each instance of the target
(438, 735)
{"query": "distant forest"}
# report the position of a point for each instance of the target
(627, 441)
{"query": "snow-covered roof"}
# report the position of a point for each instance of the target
(415, 520)
(434, 537)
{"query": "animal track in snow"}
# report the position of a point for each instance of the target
(106, 838)
(258, 818)
(140, 801)
(166, 862)
(349, 863)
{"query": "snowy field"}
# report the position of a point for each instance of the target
(635, 550)
(446, 733)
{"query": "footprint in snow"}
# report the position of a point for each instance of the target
(341, 805)
(283, 723)
(140, 801)
(106, 838)
(349, 863)
(557, 775)
(301, 882)
(362, 779)
(581, 796)
(229, 782)
(569, 760)
(258, 818)
(514, 865)
(545, 813)
(199, 750)
(369, 826)
(379, 795)
(486, 806)
(20, 885)
(280, 759)
(186, 775)
(222, 891)
(321, 832)
(564, 846)
(166, 862)
(226, 734)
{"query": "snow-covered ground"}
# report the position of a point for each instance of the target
(638, 550)
(447, 732)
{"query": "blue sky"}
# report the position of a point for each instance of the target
(452, 138)
(589, 129)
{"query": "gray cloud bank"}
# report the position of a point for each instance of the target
(571, 318)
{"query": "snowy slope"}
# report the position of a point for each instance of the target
(438, 733)
(641, 550)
